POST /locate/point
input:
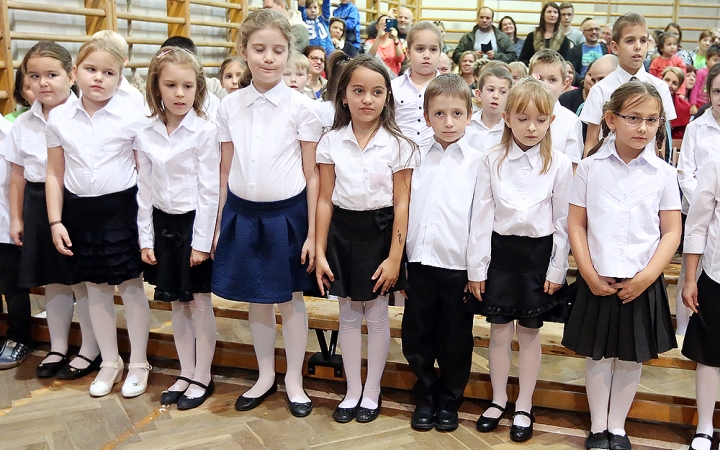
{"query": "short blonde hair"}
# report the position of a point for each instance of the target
(551, 58)
(102, 45)
(114, 37)
(518, 66)
(298, 61)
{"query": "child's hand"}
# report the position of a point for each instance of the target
(477, 288)
(551, 287)
(629, 290)
(308, 254)
(336, 42)
(386, 275)
(196, 257)
(690, 295)
(601, 286)
(148, 256)
(61, 239)
(323, 274)
(16, 232)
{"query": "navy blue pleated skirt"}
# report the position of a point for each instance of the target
(703, 332)
(257, 258)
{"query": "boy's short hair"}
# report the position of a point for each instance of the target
(497, 71)
(550, 57)
(450, 85)
(713, 50)
(678, 73)
(182, 42)
(566, 5)
(308, 3)
(298, 61)
(623, 21)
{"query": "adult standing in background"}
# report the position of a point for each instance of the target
(546, 35)
(581, 56)
(299, 29)
(405, 22)
(348, 12)
(386, 45)
(508, 26)
(567, 13)
(486, 40)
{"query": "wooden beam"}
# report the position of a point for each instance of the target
(107, 21)
(7, 105)
(26, 6)
(236, 16)
(179, 9)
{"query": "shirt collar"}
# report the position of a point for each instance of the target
(648, 154)
(532, 154)
(477, 118)
(36, 108)
(381, 138)
(189, 122)
(460, 145)
(708, 119)
(274, 95)
(624, 76)
(115, 106)
(406, 80)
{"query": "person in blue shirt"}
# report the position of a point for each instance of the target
(317, 24)
(348, 12)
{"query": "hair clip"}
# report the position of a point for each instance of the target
(172, 49)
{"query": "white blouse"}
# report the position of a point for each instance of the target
(440, 204)
(266, 130)
(623, 202)
(5, 169)
(521, 201)
(702, 228)
(409, 109)
(133, 98)
(364, 178)
(700, 145)
(99, 157)
(480, 137)
(566, 133)
(177, 174)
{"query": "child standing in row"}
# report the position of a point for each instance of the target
(624, 225)
(230, 74)
(296, 74)
(486, 126)
(178, 190)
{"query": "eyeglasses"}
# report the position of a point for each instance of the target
(597, 29)
(635, 121)
(316, 59)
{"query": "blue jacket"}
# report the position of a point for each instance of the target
(350, 14)
(318, 28)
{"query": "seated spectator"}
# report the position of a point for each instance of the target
(386, 45)
(582, 55)
(547, 35)
(317, 23)
(348, 12)
(337, 34)
(507, 26)
(675, 77)
(465, 67)
(705, 40)
(316, 56)
(675, 28)
(486, 40)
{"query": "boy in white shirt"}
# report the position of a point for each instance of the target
(486, 126)
(437, 242)
(297, 71)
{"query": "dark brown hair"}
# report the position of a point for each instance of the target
(448, 85)
(624, 20)
(179, 56)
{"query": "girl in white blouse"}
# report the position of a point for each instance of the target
(265, 235)
(178, 190)
(92, 208)
(517, 256)
(624, 226)
(362, 219)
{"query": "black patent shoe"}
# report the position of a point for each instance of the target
(299, 409)
(446, 420)
(423, 418)
(73, 373)
(618, 442)
(185, 402)
(246, 404)
(345, 415)
(597, 440)
(49, 370)
(169, 397)
(522, 434)
(365, 415)
(488, 424)
(702, 436)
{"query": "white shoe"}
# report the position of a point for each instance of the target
(102, 388)
(130, 390)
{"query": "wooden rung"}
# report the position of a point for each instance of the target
(215, 44)
(144, 64)
(2, 64)
(23, 36)
(447, 8)
(4, 95)
(155, 19)
(209, 23)
(144, 41)
(217, 4)
(25, 6)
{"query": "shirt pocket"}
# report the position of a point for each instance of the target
(380, 177)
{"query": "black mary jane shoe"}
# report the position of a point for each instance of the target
(246, 404)
(423, 418)
(185, 402)
(446, 420)
(522, 434)
(618, 442)
(345, 415)
(299, 409)
(488, 424)
(365, 415)
(68, 372)
(597, 440)
(169, 397)
(701, 436)
(49, 370)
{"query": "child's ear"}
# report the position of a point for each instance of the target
(477, 93)
(613, 47)
(506, 118)
(73, 75)
(427, 118)
(243, 53)
(610, 120)
(552, 118)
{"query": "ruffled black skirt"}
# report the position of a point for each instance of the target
(703, 331)
(104, 235)
(358, 242)
(172, 276)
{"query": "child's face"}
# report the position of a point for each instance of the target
(711, 61)
(715, 96)
(467, 63)
(424, 53)
(231, 77)
(570, 70)
(98, 77)
(672, 81)
(632, 48)
(669, 48)
(48, 81)
(551, 75)
(528, 127)
(27, 92)
(266, 55)
(336, 30)
(705, 43)
(631, 135)
(493, 94)
(178, 86)
(444, 64)
(516, 76)
(317, 62)
(448, 117)
(296, 78)
(366, 95)
(690, 78)
(312, 11)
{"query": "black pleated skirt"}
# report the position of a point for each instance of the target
(104, 235)
(172, 276)
(703, 331)
(10, 255)
(604, 327)
(257, 258)
(514, 289)
(41, 263)
(358, 242)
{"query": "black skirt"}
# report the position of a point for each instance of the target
(604, 327)
(104, 235)
(703, 331)
(41, 263)
(10, 255)
(358, 242)
(514, 289)
(172, 276)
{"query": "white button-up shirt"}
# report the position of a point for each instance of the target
(179, 173)
(364, 177)
(409, 109)
(521, 201)
(623, 203)
(700, 145)
(566, 133)
(27, 146)
(266, 130)
(479, 136)
(326, 112)
(5, 169)
(131, 96)
(211, 106)
(440, 204)
(601, 92)
(99, 157)
(702, 228)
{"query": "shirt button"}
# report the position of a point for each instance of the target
(419, 107)
(418, 120)
(434, 203)
(418, 133)
(252, 185)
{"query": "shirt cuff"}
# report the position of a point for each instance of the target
(202, 244)
(147, 241)
(695, 244)
(477, 274)
(555, 275)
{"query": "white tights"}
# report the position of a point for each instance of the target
(611, 385)
(706, 387)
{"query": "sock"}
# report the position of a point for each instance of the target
(350, 341)
(137, 316)
(59, 306)
(529, 367)
(706, 387)
(295, 332)
(499, 360)
(184, 337)
(682, 312)
(102, 315)
(89, 347)
(203, 318)
(376, 317)
(625, 380)
(262, 330)
(598, 377)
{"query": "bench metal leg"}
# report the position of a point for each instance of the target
(326, 357)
